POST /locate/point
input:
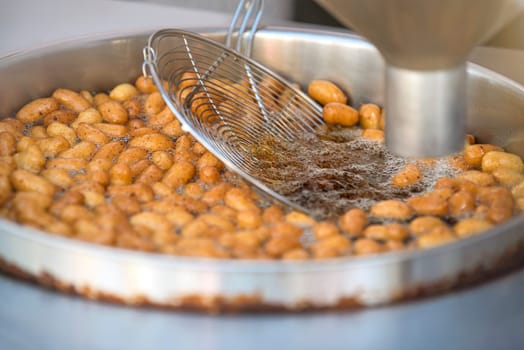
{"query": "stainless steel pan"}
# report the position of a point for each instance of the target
(496, 107)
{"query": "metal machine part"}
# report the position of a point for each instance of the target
(425, 44)
(425, 110)
(495, 106)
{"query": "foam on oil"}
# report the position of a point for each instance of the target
(337, 169)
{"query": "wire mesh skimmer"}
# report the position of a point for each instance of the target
(231, 104)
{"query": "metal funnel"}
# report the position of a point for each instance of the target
(425, 44)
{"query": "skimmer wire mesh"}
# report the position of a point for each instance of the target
(228, 102)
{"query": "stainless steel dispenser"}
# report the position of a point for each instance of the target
(425, 44)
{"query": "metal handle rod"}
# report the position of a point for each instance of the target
(244, 12)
